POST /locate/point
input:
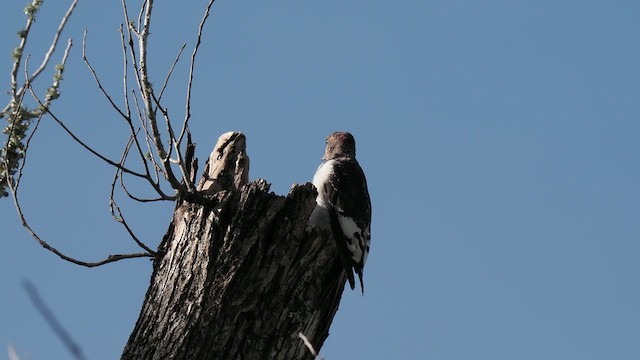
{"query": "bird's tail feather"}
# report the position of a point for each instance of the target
(341, 245)
(359, 272)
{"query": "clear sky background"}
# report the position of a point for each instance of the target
(501, 141)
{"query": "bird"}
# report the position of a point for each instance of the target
(343, 206)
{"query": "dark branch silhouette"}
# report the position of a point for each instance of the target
(51, 320)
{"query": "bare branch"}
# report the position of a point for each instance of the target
(54, 43)
(143, 116)
(179, 161)
(118, 175)
(131, 233)
(125, 70)
(185, 124)
(97, 80)
(147, 95)
(141, 13)
(44, 244)
(16, 180)
(132, 48)
(13, 184)
(147, 175)
(166, 80)
(145, 126)
(87, 147)
(127, 116)
(19, 51)
(53, 323)
(113, 206)
(20, 118)
(26, 148)
(144, 77)
(115, 179)
(187, 117)
(11, 153)
(139, 199)
(191, 161)
(126, 99)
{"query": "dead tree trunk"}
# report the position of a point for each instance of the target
(239, 274)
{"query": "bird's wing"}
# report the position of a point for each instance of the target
(350, 213)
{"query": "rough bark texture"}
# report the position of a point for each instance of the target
(239, 273)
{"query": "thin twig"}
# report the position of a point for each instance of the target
(166, 79)
(141, 13)
(56, 37)
(188, 184)
(114, 206)
(147, 95)
(13, 185)
(17, 96)
(132, 49)
(26, 147)
(44, 244)
(124, 169)
(187, 116)
(19, 51)
(95, 77)
(143, 159)
(132, 234)
(83, 144)
(148, 121)
(10, 134)
(125, 71)
(139, 199)
(147, 136)
(127, 118)
(15, 92)
(91, 150)
(117, 174)
(179, 161)
(44, 106)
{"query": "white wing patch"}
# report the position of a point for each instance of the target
(358, 239)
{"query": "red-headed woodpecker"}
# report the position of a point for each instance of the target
(343, 204)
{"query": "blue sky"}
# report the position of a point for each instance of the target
(501, 141)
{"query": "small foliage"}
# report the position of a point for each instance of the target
(32, 9)
(19, 119)
(16, 54)
(12, 152)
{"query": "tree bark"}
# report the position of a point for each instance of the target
(239, 273)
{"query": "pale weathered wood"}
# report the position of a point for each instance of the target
(239, 272)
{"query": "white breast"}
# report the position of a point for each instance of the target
(320, 178)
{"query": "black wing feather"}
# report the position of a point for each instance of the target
(347, 194)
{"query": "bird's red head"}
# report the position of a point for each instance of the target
(340, 144)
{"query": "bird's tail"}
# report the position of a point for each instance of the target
(359, 272)
(341, 245)
(350, 278)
